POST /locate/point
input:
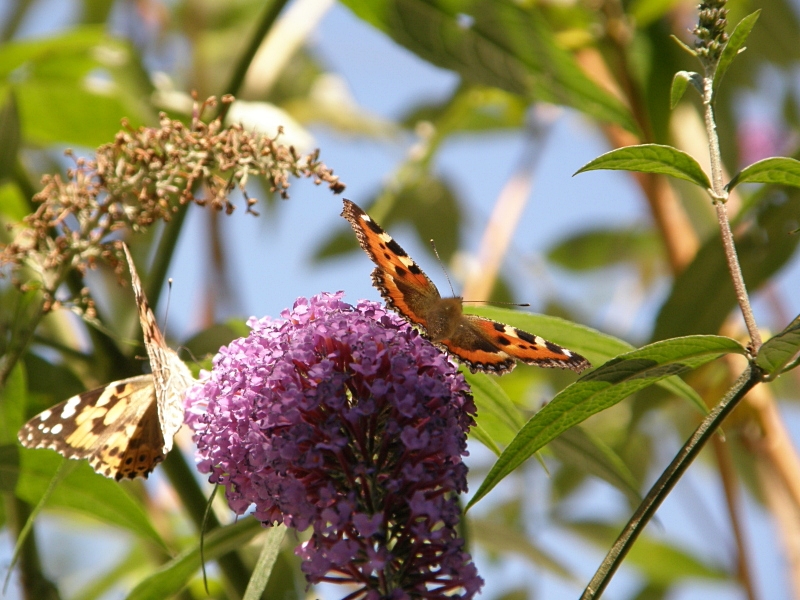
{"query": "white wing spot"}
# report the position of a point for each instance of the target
(56, 429)
(69, 407)
(45, 415)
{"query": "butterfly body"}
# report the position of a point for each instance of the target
(481, 344)
(124, 429)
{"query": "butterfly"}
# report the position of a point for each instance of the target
(481, 344)
(124, 428)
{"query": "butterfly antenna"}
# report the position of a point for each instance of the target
(496, 303)
(441, 264)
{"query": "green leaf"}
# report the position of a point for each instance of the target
(498, 537)
(680, 82)
(13, 204)
(480, 433)
(59, 80)
(702, 296)
(211, 339)
(735, 45)
(661, 563)
(603, 388)
(9, 467)
(173, 576)
(54, 112)
(780, 170)
(779, 350)
(683, 46)
(497, 43)
(9, 135)
(644, 12)
(651, 158)
(266, 561)
(498, 416)
(472, 109)
(13, 397)
(578, 446)
(82, 490)
(600, 248)
(598, 347)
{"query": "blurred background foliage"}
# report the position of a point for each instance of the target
(70, 72)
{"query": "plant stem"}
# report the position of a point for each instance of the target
(271, 11)
(667, 481)
(720, 197)
(192, 497)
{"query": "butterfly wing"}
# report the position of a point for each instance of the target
(486, 345)
(403, 285)
(115, 427)
(171, 377)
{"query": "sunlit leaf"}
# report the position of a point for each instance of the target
(82, 490)
(598, 347)
(680, 82)
(497, 414)
(661, 562)
(13, 397)
(493, 42)
(599, 248)
(579, 447)
(651, 158)
(470, 109)
(779, 350)
(173, 576)
(735, 45)
(266, 561)
(9, 134)
(603, 388)
(497, 537)
(780, 170)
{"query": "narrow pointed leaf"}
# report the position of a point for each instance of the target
(660, 562)
(595, 345)
(680, 82)
(578, 446)
(9, 135)
(82, 490)
(651, 158)
(501, 538)
(266, 561)
(779, 350)
(781, 170)
(735, 45)
(173, 576)
(603, 388)
(498, 416)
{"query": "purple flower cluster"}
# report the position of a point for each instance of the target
(344, 419)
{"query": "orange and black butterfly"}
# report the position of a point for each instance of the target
(481, 344)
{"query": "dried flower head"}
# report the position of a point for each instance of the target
(346, 420)
(144, 176)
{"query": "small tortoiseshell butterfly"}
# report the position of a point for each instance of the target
(481, 344)
(124, 428)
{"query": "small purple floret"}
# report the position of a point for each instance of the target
(346, 420)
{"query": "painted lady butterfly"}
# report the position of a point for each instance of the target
(481, 344)
(125, 428)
